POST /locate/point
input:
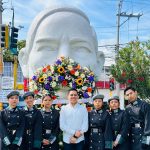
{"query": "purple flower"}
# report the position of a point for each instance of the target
(58, 62)
(50, 78)
(85, 95)
(47, 86)
(74, 85)
(34, 78)
(61, 78)
(91, 78)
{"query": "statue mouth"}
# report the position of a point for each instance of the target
(64, 74)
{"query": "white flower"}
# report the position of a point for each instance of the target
(90, 94)
(70, 84)
(86, 68)
(52, 68)
(53, 84)
(56, 78)
(44, 92)
(44, 76)
(49, 73)
(31, 89)
(66, 77)
(71, 60)
(93, 84)
(76, 73)
(69, 67)
(39, 70)
(82, 75)
(84, 88)
(35, 87)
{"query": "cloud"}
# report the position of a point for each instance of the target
(101, 13)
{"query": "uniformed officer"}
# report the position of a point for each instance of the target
(139, 113)
(100, 131)
(120, 125)
(50, 125)
(12, 124)
(33, 124)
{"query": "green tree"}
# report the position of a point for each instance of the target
(133, 68)
(7, 56)
(21, 44)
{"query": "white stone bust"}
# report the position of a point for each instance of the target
(60, 31)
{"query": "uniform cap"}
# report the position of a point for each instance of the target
(12, 94)
(99, 96)
(28, 94)
(112, 98)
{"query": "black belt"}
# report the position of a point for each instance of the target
(96, 130)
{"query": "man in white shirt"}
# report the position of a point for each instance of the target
(73, 122)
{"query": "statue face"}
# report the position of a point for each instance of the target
(64, 33)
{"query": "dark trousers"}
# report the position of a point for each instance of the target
(77, 146)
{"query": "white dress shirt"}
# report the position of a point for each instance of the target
(72, 119)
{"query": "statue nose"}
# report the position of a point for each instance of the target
(63, 49)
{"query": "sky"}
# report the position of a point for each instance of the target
(102, 16)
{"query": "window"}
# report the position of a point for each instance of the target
(8, 69)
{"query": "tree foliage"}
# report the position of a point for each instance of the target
(7, 56)
(133, 67)
(21, 44)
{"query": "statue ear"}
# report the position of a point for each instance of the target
(100, 62)
(23, 61)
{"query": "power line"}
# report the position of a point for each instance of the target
(146, 29)
(107, 27)
(119, 15)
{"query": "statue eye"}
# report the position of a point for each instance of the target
(82, 49)
(47, 48)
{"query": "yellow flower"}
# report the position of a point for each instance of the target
(61, 69)
(79, 81)
(91, 74)
(41, 80)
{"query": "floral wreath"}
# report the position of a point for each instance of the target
(65, 72)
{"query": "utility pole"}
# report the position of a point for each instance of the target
(1, 52)
(119, 15)
(118, 27)
(15, 58)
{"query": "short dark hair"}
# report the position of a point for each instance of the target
(72, 89)
(129, 88)
(46, 95)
